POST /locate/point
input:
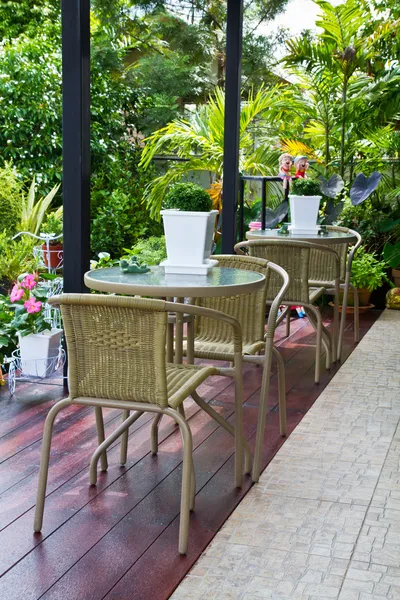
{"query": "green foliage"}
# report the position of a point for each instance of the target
(104, 260)
(53, 225)
(16, 257)
(150, 251)
(305, 187)
(391, 254)
(8, 338)
(367, 272)
(17, 17)
(188, 197)
(10, 199)
(34, 209)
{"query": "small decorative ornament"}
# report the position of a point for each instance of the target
(323, 230)
(284, 230)
(302, 165)
(393, 299)
(285, 165)
(131, 265)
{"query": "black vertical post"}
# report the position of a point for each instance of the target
(241, 209)
(76, 141)
(263, 202)
(233, 69)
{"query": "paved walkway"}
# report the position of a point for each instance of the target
(324, 520)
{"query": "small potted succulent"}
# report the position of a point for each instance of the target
(189, 226)
(39, 343)
(51, 231)
(304, 201)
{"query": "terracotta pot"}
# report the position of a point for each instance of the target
(396, 277)
(52, 258)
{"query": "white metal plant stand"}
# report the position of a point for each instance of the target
(45, 255)
(43, 365)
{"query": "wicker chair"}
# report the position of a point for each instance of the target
(116, 352)
(325, 278)
(299, 259)
(214, 341)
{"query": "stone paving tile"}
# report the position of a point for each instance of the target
(324, 520)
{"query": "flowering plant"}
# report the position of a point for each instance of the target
(27, 300)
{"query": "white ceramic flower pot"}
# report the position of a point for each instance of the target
(189, 238)
(39, 352)
(304, 213)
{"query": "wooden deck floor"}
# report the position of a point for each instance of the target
(119, 540)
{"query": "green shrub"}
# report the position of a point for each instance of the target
(305, 187)
(150, 251)
(10, 199)
(53, 225)
(367, 272)
(16, 257)
(188, 197)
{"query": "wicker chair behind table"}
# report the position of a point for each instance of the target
(323, 275)
(116, 352)
(213, 340)
(299, 259)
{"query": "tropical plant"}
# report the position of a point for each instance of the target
(151, 251)
(10, 199)
(34, 210)
(391, 254)
(200, 141)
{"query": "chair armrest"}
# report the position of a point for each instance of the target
(273, 311)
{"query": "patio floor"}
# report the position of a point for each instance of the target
(119, 540)
(324, 520)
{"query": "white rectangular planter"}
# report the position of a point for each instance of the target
(39, 352)
(304, 213)
(189, 238)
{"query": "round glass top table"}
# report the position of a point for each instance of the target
(333, 237)
(156, 283)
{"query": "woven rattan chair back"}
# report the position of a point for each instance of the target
(248, 309)
(116, 347)
(296, 258)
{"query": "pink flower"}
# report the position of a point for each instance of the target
(16, 293)
(29, 282)
(33, 306)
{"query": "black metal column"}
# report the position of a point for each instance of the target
(76, 141)
(234, 34)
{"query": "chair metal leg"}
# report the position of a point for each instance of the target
(44, 462)
(238, 421)
(262, 413)
(101, 435)
(154, 433)
(248, 459)
(356, 315)
(107, 442)
(287, 333)
(193, 487)
(281, 390)
(343, 316)
(318, 345)
(124, 440)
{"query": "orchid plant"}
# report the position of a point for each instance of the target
(27, 300)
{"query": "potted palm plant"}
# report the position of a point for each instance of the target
(304, 205)
(189, 226)
(39, 343)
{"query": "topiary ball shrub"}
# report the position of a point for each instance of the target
(305, 187)
(10, 199)
(188, 197)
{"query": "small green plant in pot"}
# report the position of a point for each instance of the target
(189, 226)
(53, 227)
(367, 274)
(304, 199)
(391, 254)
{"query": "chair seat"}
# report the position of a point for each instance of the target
(221, 350)
(182, 380)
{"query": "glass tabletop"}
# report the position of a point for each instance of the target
(333, 237)
(218, 282)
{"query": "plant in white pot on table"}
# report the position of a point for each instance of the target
(305, 198)
(189, 229)
(39, 343)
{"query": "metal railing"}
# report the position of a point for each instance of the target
(264, 180)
